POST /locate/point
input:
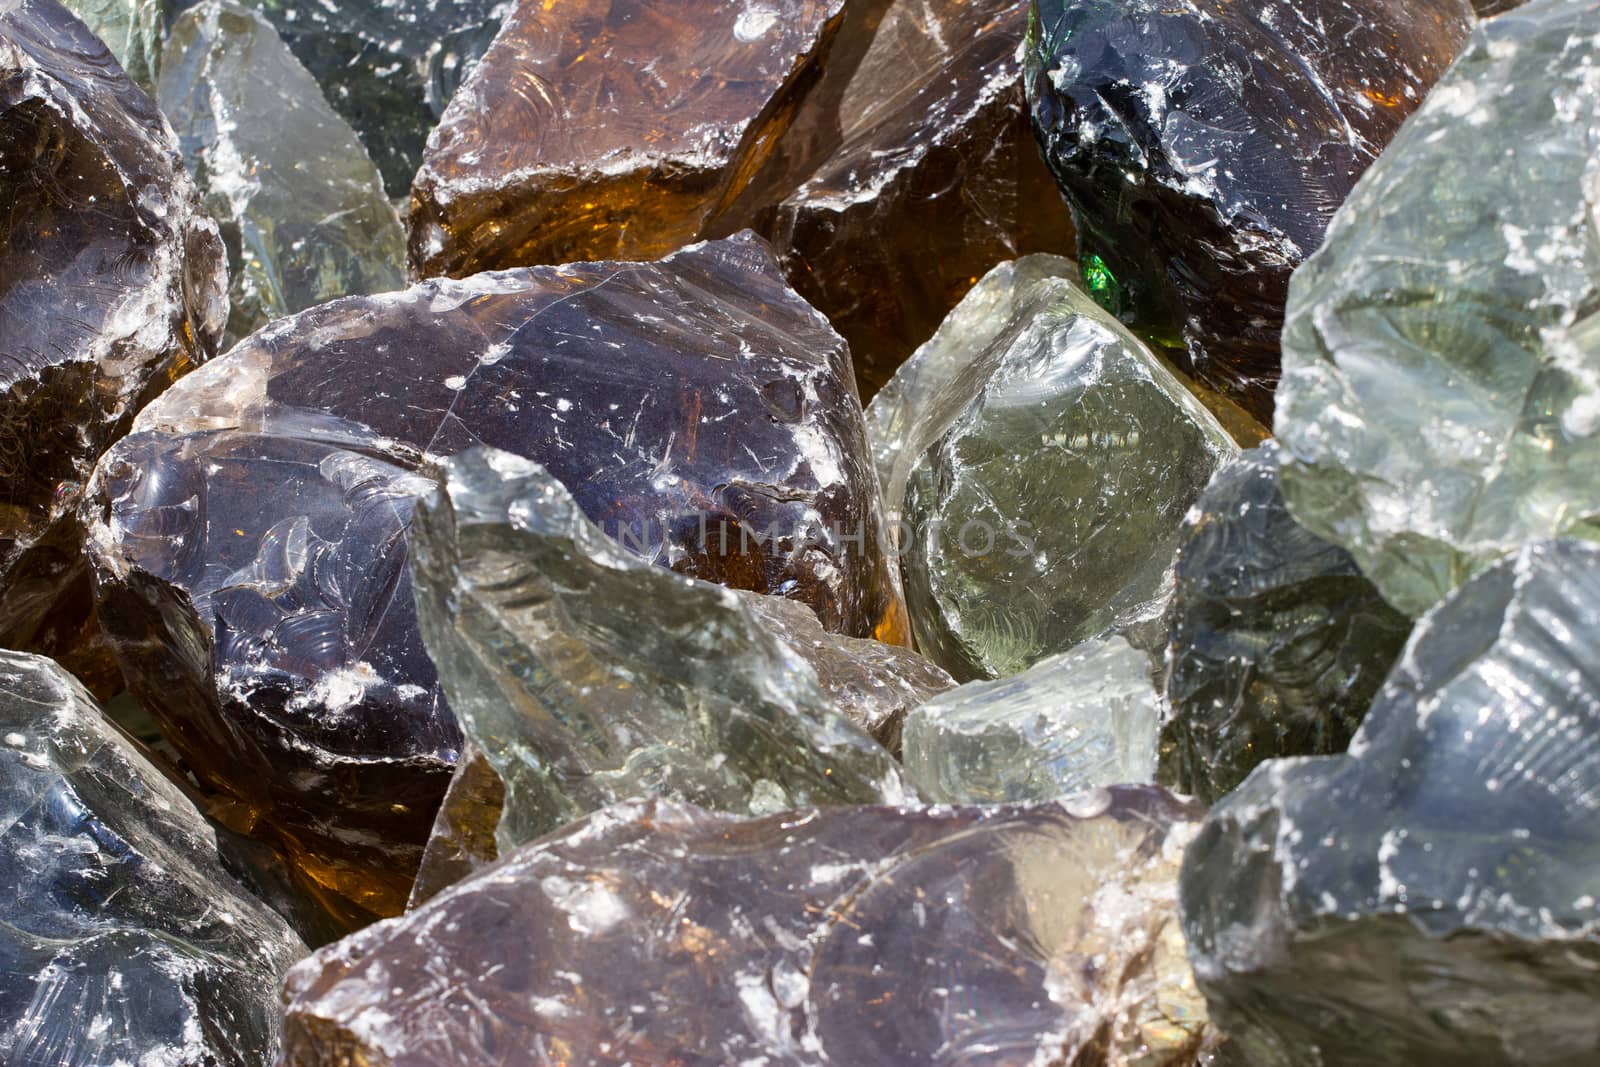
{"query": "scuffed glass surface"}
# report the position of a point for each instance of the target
(656, 932)
(251, 541)
(131, 29)
(1441, 398)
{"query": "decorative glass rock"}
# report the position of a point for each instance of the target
(655, 933)
(124, 940)
(112, 285)
(1441, 396)
(1429, 897)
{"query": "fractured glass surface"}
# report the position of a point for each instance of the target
(1205, 145)
(301, 206)
(1072, 722)
(588, 676)
(1044, 507)
(1429, 897)
(659, 933)
(251, 542)
(1276, 642)
(1442, 354)
(125, 940)
(112, 285)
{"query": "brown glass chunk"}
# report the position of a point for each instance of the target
(112, 284)
(251, 541)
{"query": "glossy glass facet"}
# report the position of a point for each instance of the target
(125, 938)
(1429, 897)
(112, 285)
(659, 933)
(251, 542)
(301, 206)
(1276, 642)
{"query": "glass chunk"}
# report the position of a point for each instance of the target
(1205, 145)
(125, 940)
(301, 205)
(1429, 897)
(1045, 485)
(463, 832)
(388, 66)
(1442, 354)
(1072, 722)
(112, 285)
(654, 932)
(588, 676)
(576, 140)
(1277, 644)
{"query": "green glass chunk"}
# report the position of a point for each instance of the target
(587, 675)
(1276, 642)
(1073, 722)
(1441, 395)
(1044, 485)
(301, 206)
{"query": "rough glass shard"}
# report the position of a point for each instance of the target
(388, 66)
(873, 683)
(902, 419)
(855, 935)
(125, 940)
(576, 140)
(1277, 643)
(251, 542)
(589, 676)
(131, 29)
(1428, 898)
(112, 284)
(1442, 355)
(1044, 509)
(936, 179)
(1073, 722)
(463, 832)
(301, 205)
(1205, 145)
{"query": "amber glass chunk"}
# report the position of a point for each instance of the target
(577, 137)
(1205, 145)
(935, 181)
(251, 542)
(882, 145)
(112, 284)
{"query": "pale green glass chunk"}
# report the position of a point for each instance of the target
(1441, 393)
(300, 204)
(587, 675)
(1046, 506)
(900, 419)
(1077, 721)
(131, 29)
